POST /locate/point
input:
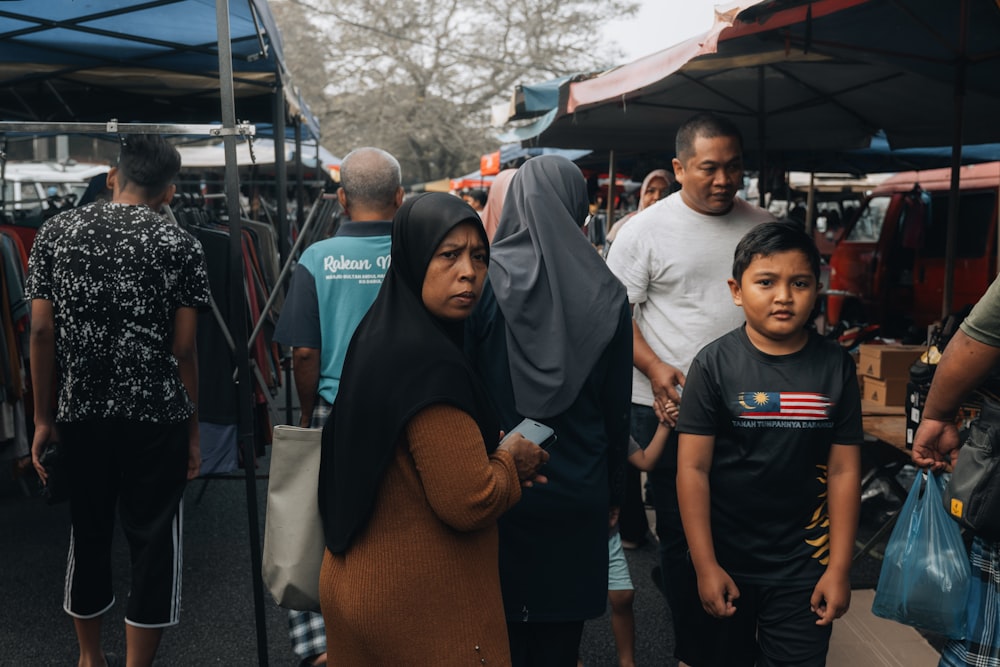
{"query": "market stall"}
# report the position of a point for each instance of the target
(178, 67)
(807, 83)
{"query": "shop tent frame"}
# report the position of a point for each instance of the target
(94, 69)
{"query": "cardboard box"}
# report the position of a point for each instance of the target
(889, 392)
(888, 361)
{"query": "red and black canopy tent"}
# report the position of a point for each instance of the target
(806, 81)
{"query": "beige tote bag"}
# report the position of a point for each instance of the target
(293, 531)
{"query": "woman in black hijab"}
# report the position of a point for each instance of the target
(412, 480)
(552, 339)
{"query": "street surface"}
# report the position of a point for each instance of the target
(217, 620)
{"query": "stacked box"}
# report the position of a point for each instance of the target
(886, 371)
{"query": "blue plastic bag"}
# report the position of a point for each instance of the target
(925, 574)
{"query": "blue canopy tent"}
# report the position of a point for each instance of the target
(161, 66)
(155, 61)
(512, 153)
(535, 99)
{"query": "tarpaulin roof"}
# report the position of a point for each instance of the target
(533, 99)
(135, 61)
(799, 76)
(511, 152)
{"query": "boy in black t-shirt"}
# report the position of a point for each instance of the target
(768, 469)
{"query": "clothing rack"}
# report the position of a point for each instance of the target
(216, 343)
(14, 328)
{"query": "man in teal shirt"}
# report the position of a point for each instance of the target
(333, 286)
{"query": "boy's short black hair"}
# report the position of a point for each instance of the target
(770, 238)
(148, 161)
(479, 195)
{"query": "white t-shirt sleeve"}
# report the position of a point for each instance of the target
(628, 259)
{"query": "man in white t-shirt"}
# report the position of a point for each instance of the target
(674, 258)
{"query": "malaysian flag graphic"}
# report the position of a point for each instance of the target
(783, 405)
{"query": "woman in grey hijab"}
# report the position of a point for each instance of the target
(552, 340)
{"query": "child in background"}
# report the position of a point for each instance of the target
(768, 477)
(621, 593)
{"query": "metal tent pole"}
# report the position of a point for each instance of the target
(300, 178)
(761, 138)
(954, 195)
(609, 205)
(281, 203)
(281, 170)
(237, 318)
(282, 280)
(810, 205)
(114, 127)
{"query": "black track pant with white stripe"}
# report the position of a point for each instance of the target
(142, 467)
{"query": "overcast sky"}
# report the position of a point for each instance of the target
(659, 24)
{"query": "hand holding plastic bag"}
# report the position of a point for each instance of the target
(925, 574)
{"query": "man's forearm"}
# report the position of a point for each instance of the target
(185, 351)
(187, 368)
(965, 364)
(305, 370)
(42, 356)
(643, 357)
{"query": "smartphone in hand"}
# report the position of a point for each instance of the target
(537, 432)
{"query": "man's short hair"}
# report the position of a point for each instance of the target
(370, 177)
(148, 161)
(707, 125)
(770, 238)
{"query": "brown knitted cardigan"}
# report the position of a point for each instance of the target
(420, 585)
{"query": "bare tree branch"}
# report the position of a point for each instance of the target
(417, 77)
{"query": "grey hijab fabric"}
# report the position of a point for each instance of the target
(560, 300)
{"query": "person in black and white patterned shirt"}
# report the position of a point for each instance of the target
(115, 289)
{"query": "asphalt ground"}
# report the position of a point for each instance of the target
(218, 615)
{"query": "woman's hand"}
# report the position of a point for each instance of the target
(528, 458)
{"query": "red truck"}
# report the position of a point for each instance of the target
(888, 267)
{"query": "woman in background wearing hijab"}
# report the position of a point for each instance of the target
(552, 339)
(658, 184)
(412, 480)
(494, 202)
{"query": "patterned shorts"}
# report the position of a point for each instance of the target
(981, 648)
(305, 628)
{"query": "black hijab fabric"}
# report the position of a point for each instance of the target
(400, 360)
